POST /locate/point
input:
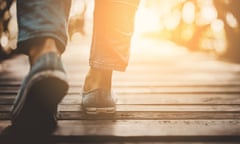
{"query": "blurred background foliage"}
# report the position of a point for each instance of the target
(210, 26)
(200, 25)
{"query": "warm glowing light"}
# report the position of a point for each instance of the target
(208, 13)
(187, 33)
(4, 40)
(207, 44)
(231, 20)
(188, 13)
(220, 46)
(217, 25)
(172, 21)
(156, 49)
(147, 20)
(77, 7)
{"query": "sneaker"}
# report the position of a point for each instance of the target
(41, 91)
(98, 101)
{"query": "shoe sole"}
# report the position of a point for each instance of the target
(94, 111)
(47, 89)
(102, 110)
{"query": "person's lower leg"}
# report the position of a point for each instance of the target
(98, 79)
(47, 45)
(113, 26)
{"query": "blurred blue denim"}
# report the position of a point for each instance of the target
(38, 19)
(112, 29)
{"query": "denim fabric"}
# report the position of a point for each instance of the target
(113, 27)
(42, 18)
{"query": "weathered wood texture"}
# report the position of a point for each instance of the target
(193, 100)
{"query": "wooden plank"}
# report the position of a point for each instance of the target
(163, 68)
(154, 78)
(151, 142)
(178, 101)
(167, 71)
(153, 108)
(136, 115)
(165, 77)
(165, 108)
(163, 99)
(75, 83)
(141, 84)
(165, 90)
(152, 90)
(158, 68)
(148, 98)
(6, 101)
(128, 128)
(151, 99)
(176, 90)
(145, 130)
(13, 86)
(13, 83)
(165, 83)
(143, 77)
(5, 108)
(4, 116)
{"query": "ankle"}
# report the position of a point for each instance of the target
(36, 51)
(98, 79)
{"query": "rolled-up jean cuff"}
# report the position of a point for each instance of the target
(99, 65)
(42, 19)
(25, 43)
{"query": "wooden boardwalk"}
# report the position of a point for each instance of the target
(191, 98)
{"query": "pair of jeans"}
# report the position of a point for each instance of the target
(112, 28)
